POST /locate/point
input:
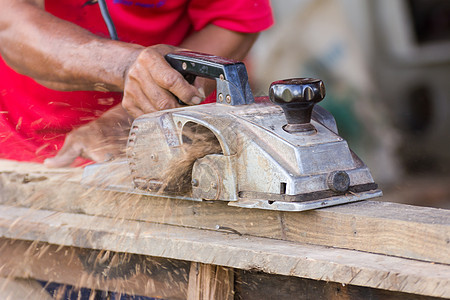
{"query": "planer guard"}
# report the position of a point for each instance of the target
(280, 152)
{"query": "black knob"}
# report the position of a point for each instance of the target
(297, 97)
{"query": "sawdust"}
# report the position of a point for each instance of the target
(104, 269)
(79, 271)
(198, 141)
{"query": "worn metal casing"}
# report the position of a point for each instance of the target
(262, 158)
(259, 160)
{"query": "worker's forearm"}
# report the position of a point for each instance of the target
(59, 54)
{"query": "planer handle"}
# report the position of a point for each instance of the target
(231, 76)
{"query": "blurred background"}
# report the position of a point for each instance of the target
(386, 68)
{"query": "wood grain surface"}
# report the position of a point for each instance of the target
(378, 227)
(227, 249)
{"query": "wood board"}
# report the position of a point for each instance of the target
(227, 250)
(49, 263)
(378, 227)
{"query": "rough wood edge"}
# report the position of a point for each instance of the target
(377, 227)
(229, 250)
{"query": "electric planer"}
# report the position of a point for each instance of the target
(280, 152)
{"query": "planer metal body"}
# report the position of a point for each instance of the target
(280, 152)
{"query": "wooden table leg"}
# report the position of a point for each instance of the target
(210, 282)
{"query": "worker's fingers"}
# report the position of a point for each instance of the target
(139, 98)
(134, 100)
(138, 101)
(78, 146)
(165, 99)
(171, 80)
(101, 140)
(152, 84)
(68, 153)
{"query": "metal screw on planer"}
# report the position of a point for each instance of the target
(220, 97)
(338, 181)
(184, 65)
(228, 99)
(154, 157)
(194, 182)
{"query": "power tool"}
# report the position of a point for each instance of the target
(280, 152)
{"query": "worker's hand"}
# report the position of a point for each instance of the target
(100, 140)
(151, 84)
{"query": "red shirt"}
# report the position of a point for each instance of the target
(34, 119)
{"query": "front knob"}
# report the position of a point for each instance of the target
(297, 98)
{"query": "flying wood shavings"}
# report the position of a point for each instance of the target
(198, 142)
(19, 124)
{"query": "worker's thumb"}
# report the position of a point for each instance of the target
(64, 158)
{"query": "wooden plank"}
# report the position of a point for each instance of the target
(251, 285)
(210, 282)
(228, 250)
(155, 277)
(379, 227)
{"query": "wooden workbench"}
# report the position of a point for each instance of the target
(52, 228)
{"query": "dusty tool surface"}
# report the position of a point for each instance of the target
(284, 154)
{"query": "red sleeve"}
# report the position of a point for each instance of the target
(238, 15)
